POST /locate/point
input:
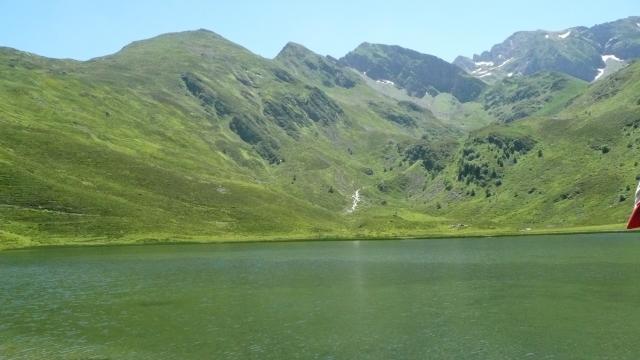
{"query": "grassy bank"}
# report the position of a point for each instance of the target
(166, 239)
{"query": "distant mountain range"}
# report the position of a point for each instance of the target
(190, 137)
(585, 53)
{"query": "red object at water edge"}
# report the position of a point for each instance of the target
(634, 220)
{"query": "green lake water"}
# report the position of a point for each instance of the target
(534, 297)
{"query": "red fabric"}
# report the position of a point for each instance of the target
(634, 220)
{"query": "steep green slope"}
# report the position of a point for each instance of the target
(189, 136)
(417, 73)
(315, 68)
(522, 96)
(577, 168)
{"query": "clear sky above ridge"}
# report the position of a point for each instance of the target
(83, 29)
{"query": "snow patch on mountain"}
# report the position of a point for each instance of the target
(565, 35)
(605, 58)
(385, 82)
(611, 64)
(546, 36)
(505, 63)
(488, 68)
(479, 71)
(600, 73)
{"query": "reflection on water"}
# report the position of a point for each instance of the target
(534, 297)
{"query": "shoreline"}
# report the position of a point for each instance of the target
(433, 236)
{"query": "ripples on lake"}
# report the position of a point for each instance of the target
(542, 297)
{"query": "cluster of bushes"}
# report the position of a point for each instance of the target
(433, 160)
(482, 162)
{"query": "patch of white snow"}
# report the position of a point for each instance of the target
(610, 57)
(504, 63)
(385, 82)
(565, 35)
(600, 73)
(480, 71)
(485, 68)
(509, 74)
(546, 36)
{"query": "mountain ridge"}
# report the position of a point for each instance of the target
(577, 51)
(191, 137)
(169, 137)
(420, 74)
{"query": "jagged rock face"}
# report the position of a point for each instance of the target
(582, 52)
(419, 74)
(620, 38)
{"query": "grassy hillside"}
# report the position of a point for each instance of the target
(522, 96)
(576, 168)
(189, 137)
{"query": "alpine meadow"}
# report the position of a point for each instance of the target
(190, 137)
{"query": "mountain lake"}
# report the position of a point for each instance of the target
(529, 297)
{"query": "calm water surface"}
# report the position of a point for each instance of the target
(542, 297)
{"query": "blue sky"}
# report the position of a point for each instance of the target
(446, 28)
